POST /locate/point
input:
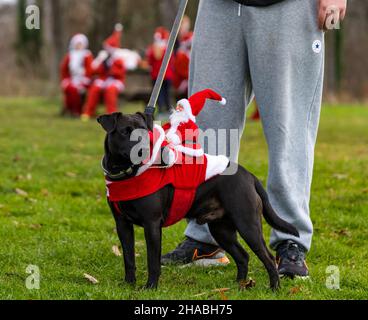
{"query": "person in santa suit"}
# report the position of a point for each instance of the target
(110, 70)
(76, 72)
(155, 55)
(181, 66)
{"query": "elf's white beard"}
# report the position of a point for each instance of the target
(178, 117)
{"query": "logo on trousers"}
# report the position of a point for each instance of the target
(317, 46)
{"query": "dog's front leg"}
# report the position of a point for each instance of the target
(126, 235)
(153, 235)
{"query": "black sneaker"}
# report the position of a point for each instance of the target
(291, 260)
(193, 252)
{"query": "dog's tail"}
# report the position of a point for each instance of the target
(271, 216)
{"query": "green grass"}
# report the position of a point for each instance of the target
(64, 226)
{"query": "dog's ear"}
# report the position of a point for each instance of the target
(142, 115)
(109, 121)
(148, 119)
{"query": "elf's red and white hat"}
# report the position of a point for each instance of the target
(114, 41)
(194, 105)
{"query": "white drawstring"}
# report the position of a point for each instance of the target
(239, 10)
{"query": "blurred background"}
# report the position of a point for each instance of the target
(35, 55)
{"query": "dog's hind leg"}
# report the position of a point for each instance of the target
(125, 231)
(224, 233)
(254, 238)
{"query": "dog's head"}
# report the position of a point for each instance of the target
(119, 143)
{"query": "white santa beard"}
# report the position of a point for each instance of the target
(178, 117)
(76, 64)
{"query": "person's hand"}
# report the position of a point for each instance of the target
(330, 13)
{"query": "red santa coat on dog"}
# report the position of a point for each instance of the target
(189, 169)
(185, 177)
(76, 73)
(110, 71)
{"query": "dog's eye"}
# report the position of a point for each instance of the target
(126, 130)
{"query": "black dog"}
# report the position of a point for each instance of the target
(226, 212)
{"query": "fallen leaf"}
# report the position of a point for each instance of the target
(21, 192)
(344, 232)
(71, 174)
(245, 285)
(35, 226)
(221, 290)
(116, 251)
(295, 290)
(340, 176)
(91, 279)
(223, 296)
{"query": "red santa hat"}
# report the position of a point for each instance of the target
(161, 35)
(194, 105)
(188, 37)
(114, 41)
(186, 41)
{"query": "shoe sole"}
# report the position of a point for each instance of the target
(294, 277)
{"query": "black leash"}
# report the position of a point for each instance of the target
(151, 107)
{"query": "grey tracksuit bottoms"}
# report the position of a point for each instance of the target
(277, 54)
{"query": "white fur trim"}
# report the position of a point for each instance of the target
(173, 138)
(216, 165)
(188, 108)
(223, 102)
(155, 152)
(190, 151)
